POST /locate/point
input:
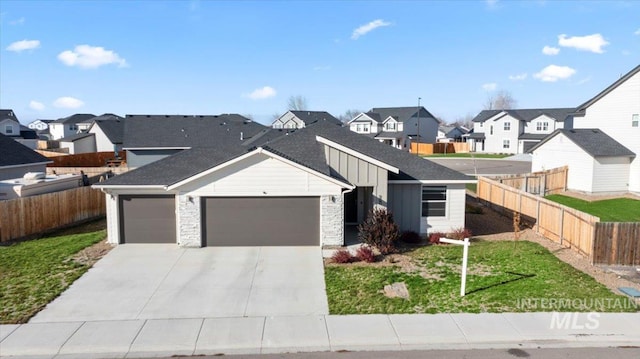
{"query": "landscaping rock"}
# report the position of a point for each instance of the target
(396, 290)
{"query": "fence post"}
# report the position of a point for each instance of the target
(537, 215)
(561, 225)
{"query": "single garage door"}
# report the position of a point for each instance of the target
(261, 221)
(147, 219)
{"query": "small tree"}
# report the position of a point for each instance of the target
(298, 103)
(379, 231)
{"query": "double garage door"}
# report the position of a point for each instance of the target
(226, 221)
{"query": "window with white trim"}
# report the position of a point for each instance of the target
(542, 126)
(277, 124)
(8, 129)
(507, 126)
(359, 127)
(390, 126)
(434, 201)
(506, 144)
(365, 127)
(635, 120)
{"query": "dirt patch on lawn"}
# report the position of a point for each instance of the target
(90, 255)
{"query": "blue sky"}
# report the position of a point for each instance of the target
(208, 57)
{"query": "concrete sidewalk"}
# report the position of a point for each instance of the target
(250, 335)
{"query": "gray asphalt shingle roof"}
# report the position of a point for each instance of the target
(112, 128)
(593, 141)
(309, 117)
(13, 153)
(73, 119)
(8, 115)
(154, 131)
(559, 114)
(401, 113)
(76, 137)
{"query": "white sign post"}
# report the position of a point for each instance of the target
(465, 254)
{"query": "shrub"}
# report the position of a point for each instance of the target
(434, 238)
(365, 254)
(342, 256)
(460, 233)
(410, 237)
(379, 231)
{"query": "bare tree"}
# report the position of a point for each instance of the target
(501, 100)
(464, 121)
(297, 103)
(349, 115)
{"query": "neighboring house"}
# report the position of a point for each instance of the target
(109, 133)
(451, 134)
(67, 126)
(9, 124)
(280, 188)
(516, 131)
(17, 159)
(616, 112)
(39, 125)
(148, 138)
(597, 162)
(299, 119)
(397, 126)
(79, 143)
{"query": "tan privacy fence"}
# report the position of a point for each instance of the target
(441, 147)
(543, 183)
(22, 217)
(603, 243)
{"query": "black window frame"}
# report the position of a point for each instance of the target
(433, 201)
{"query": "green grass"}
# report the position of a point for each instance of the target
(33, 273)
(468, 155)
(473, 187)
(609, 210)
(500, 278)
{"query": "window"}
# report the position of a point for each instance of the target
(507, 126)
(365, 127)
(506, 144)
(542, 126)
(434, 201)
(359, 127)
(8, 129)
(277, 125)
(635, 120)
(491, 130)
(390, 126)
(73, 128)
(481, 124)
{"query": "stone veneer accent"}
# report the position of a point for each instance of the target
(189, 223)
(331, 220)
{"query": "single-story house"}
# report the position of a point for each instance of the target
(17, 159)
(280, 188)
(597, 163)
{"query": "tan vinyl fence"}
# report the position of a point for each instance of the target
(602, 243)
(23, 217)
(543, 183)
(441, 147)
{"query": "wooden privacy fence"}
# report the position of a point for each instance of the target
(441, 147)
(602, 243)
(93, 159)
(542, 183)
(22, 217)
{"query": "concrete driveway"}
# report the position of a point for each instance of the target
(152, 281)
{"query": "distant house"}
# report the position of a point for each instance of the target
(9, 124)
(615, 112)
(79, 143)
(108, 131)
(451, 134)
(149, 138)
(397, 126)
(299, 119)
(516, 131)
(67, 126)
(17, 159)
(39, 125)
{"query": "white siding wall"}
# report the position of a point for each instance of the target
(456, 199)
(611, 174)
(560, 151)
(113, 234)
(494, 142)
(532, 126)
(60, 130)
(612, 114)
(12, 126)
(84, 145)
(103, 144)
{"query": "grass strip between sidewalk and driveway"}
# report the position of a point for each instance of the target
(33, 273)
(609, 210)
(503, 276)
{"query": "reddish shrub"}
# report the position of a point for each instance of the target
(365, 254)
(342, 256)
(460, 233)
(410, 237)
(434, 238)
(379, 231)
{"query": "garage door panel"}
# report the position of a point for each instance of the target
(147, 219)
(260, 221)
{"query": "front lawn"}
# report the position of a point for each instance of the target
(609, 210)
(501, 278)
(35, 272)
(468, 155)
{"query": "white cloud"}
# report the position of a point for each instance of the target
(35, 105)
(550, 50)
(262, 93)
(553, 73)
(364, 29)
(491, 3)
(592, 43)
(67, 102)
(637, 32)
(584, 81)
(19, 21)
(90, 57)
(518, 77)
(491, 86)
(22, 45)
